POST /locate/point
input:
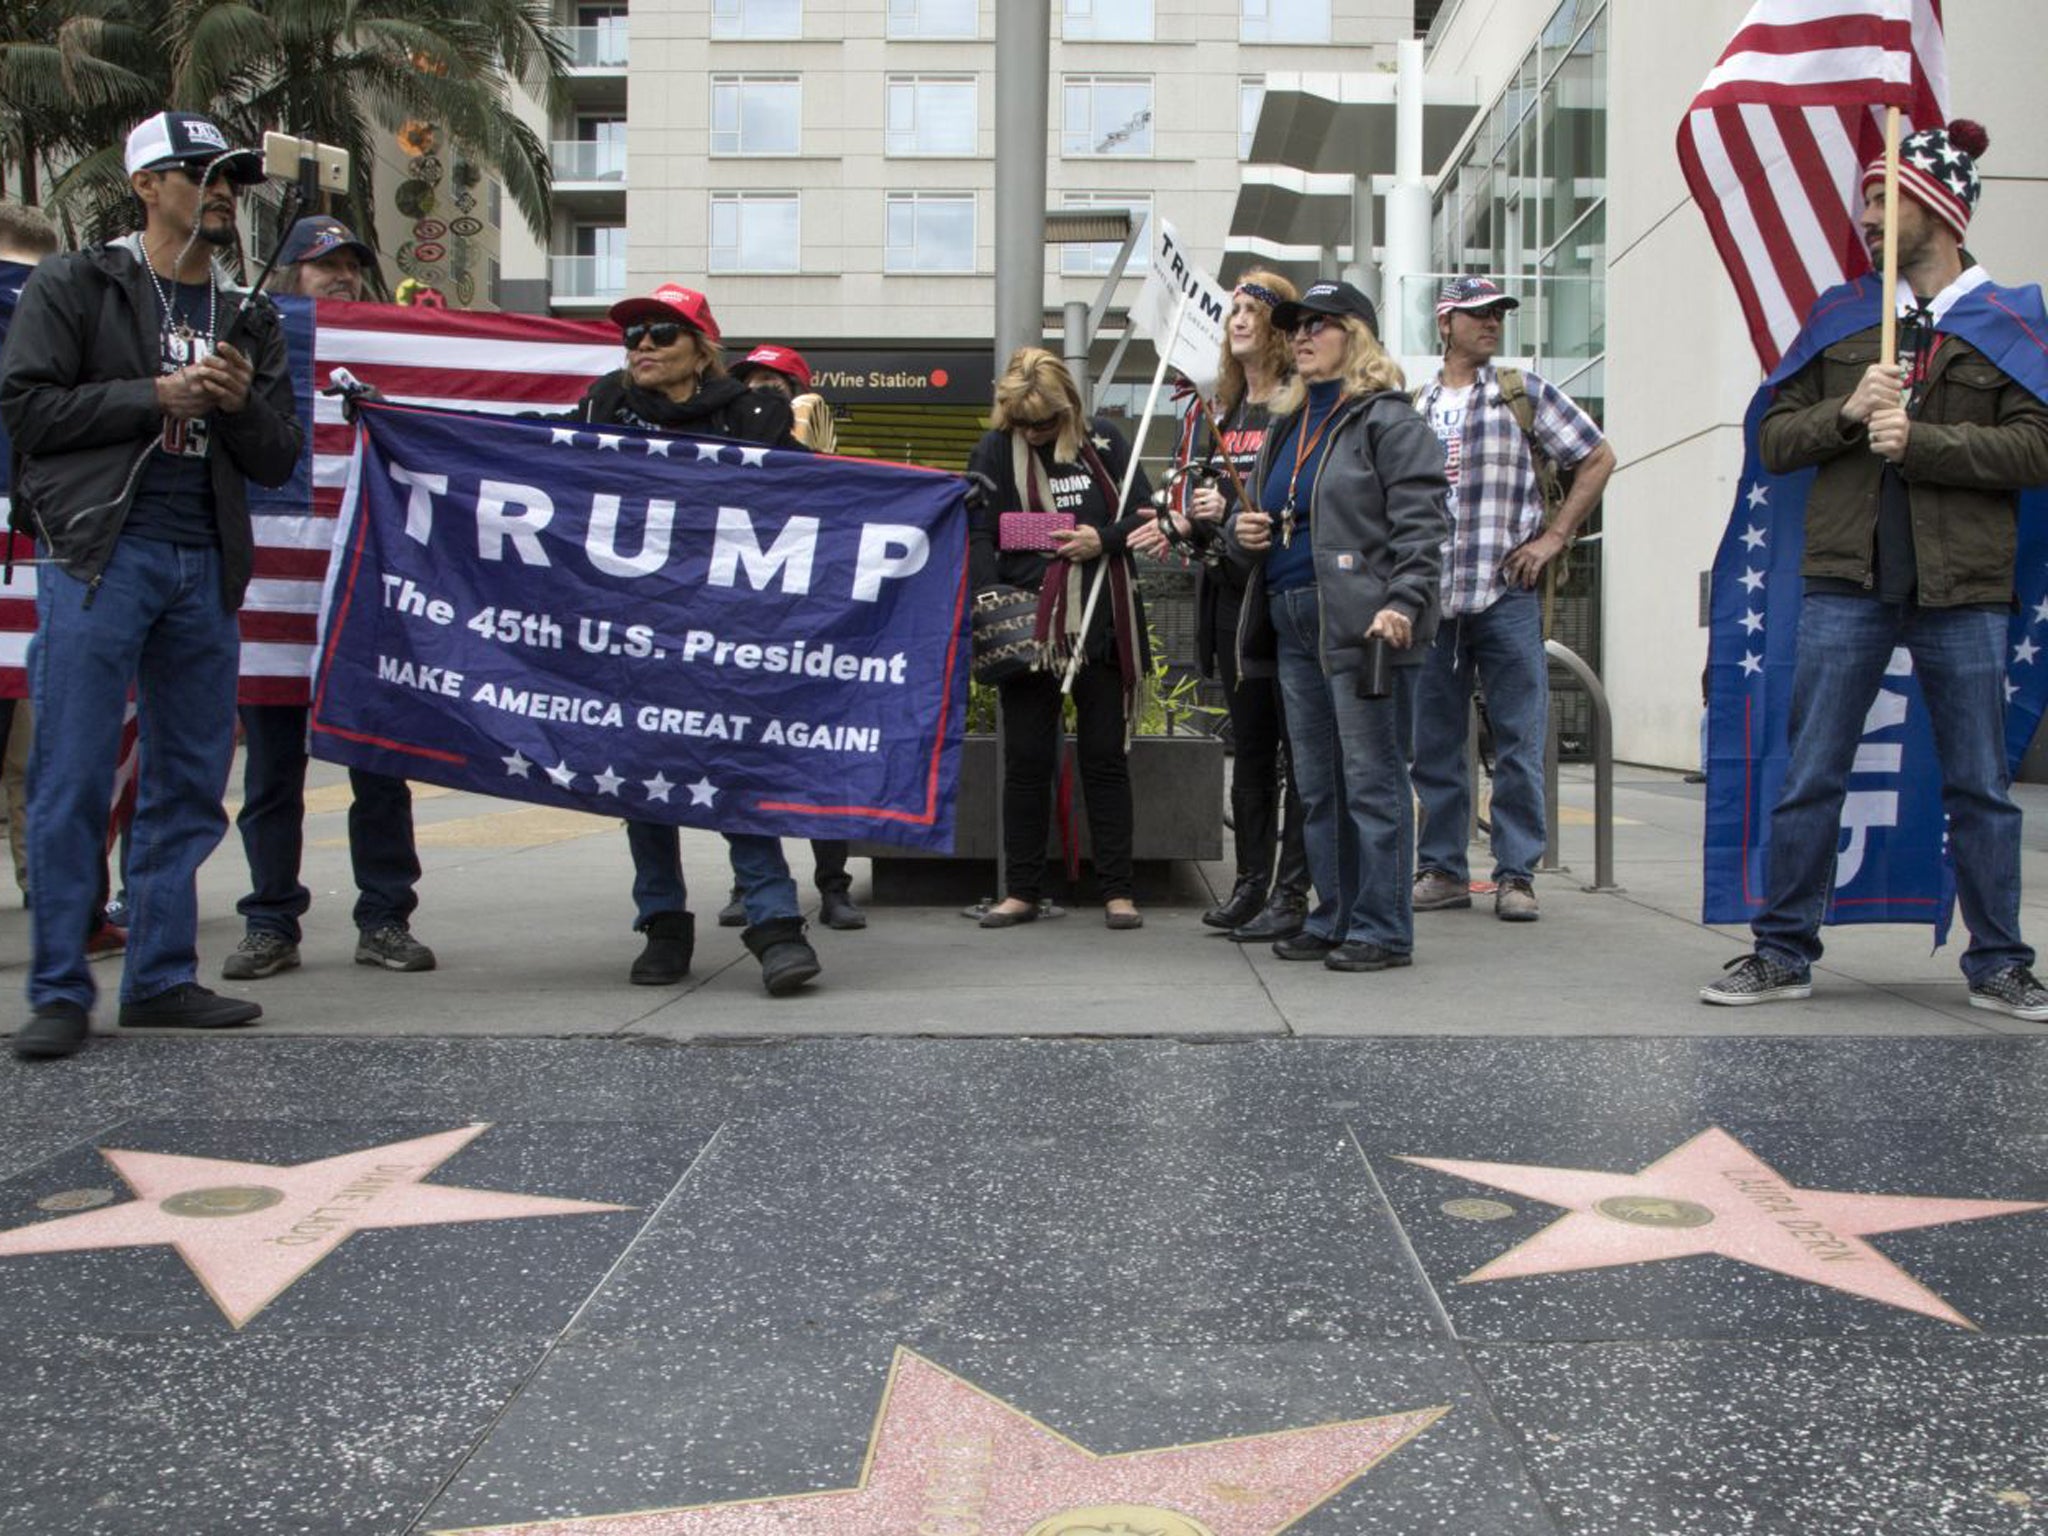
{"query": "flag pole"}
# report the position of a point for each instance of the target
(1180, 313)
(1888, 351)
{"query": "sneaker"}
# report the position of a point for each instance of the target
(261, 953)
(1514, 901)
(393, 947)
(106, 941)
(53, 1030)
(1436, 891)
(188, 1006)
(1754, 979)
(2014, 991)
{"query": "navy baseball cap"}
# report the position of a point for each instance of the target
(1470, 293)
(1327, 299)
(188, 138)
(312, 238)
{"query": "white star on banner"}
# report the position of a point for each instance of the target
(754, 456)
(562, 435)
(1101, 443)
(609, 440)
(2041, 611)
(1752, 580)
(2025, 651)
(656, 445)
(2010, 690)
(1753, 537)
(657, 787)
(1752, 664)
(608, 782)
(703, 792)
(1752, 621)
(516, 765)
(707, 451)
(562, 774)
(1758, 495)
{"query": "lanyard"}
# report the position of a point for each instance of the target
(1304, 445)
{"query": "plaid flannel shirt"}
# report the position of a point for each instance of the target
(1497, 506)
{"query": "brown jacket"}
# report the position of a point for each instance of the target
(1977, 440)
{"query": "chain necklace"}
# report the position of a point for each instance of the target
(172, 326)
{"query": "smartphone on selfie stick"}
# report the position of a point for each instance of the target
(312, 168)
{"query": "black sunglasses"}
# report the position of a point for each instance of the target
(663, 333)
(194, 174)
(1039, 425)
(1312, 326)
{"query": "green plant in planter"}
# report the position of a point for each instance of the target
(1168, 705)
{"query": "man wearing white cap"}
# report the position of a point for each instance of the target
(138, 422)
(1493, 423)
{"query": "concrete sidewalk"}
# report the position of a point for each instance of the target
(529, 912)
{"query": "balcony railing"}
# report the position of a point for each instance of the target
(588, 277)
(589, 160)
(599, 47)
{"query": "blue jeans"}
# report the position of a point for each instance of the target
(1959, 656)
(1351, 768)
(1503, 646)
(273, 828)
(156, 621)
(758, 869)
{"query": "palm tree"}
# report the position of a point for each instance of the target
(72, 76)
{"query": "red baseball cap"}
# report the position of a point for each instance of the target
(786, 361)
(671, 301)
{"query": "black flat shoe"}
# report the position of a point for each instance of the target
(995, 918)
(1363, 956)
(1280, 918)
(1240, 906)
(1304, 946)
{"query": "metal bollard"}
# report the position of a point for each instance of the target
(1603, 765)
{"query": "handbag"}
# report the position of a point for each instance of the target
(1031, 531)
(1005, 646)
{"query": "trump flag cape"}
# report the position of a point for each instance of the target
(1892, 858)
(692, 631)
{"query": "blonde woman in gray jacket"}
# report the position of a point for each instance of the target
(1344, 545)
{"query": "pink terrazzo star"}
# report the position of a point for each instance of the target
(1714, 1195)
(946, 1458)
(250, 1230)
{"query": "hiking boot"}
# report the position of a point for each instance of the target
(671, 945)
(188, 1006)
(787, 959)
(1305, 946)
(836, 910)
(1756, 979)
(53, 1030)
(734, 913)
(261, 953)
(1359, 955)
(2012, 990)
(1514, 901)
(1280, 918)
(105, 942)
(392, 946)
(1436, 891)
(1240, 906)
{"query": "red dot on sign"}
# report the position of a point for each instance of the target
(939, 378)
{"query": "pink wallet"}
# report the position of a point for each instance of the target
(1031, 530)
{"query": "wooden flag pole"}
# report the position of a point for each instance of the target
(1888, 350)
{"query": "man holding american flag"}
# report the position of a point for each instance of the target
(1910, 542)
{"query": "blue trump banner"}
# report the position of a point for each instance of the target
(682, 630)
(1892, 862)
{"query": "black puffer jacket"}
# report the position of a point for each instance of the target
(718, 408)
(78, 393)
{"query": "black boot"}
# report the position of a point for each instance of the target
(1240, 906)
(787, 959)
(671, 943)
(1281, 918)
(836, 909)
(734, 913)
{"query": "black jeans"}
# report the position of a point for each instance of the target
(1031, 740)
(828, 864)
(273, 827)
(1262, 777)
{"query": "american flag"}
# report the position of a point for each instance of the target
(1774, 144)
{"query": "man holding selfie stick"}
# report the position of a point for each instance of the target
(138, 424)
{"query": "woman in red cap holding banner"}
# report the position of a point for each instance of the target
(675, 381)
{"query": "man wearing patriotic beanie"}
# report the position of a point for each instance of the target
(1911, 536)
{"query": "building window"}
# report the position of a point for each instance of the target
(1108, 21)
(1107, 115)
(595, 267)
(1251, 95)
(1096, 260)
(754, 232)
(934, 18)
(597, 153)
(1283, 21)
(757, 18)
(930, 232)
(931, 116)
(756, 114)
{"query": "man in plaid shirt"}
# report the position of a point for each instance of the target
(1492, 617)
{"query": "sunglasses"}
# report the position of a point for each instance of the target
(194, 174)
(1039, 425)
(663, 333)
(1311, 326)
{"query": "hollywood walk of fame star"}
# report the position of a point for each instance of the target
(1714, 1196)
(946, 1456)
(250, 1230)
